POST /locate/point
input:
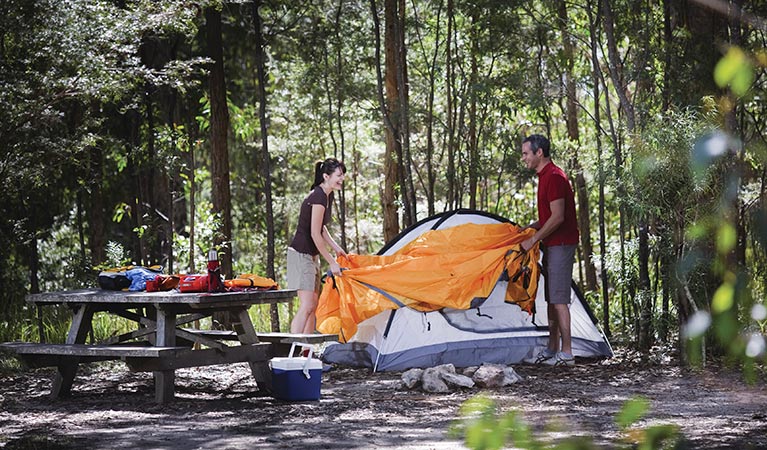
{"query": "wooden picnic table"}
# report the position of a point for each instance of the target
(159, 344)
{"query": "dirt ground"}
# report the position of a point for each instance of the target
(219, 407)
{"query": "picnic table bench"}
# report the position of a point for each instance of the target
(159, 344)
(280, 341)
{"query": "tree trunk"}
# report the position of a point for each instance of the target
(335, 101)
(472, 137)
(340, 95)
(266, 170)
(595, 72)
(615, 66)
(571, 119)
(219, 157)
(219, 128)
(95, 210)
(135, 198)
(737, 258)
(391, 169)
(666, 266)
(431, 176)
(403, 111)
(668, 37)
(451, 199)
(192, 204)
(645, 292)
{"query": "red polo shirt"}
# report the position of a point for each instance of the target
(553, 185)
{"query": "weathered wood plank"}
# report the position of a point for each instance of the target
(199, 339)
(81, 324)
(165, 379)
(117, 351)
(285, 338)
(250, 353)
(289, 338)
(171, 297)
(34, 361)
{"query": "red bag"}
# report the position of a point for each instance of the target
(193, 283)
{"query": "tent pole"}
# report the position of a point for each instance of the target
(385, 335)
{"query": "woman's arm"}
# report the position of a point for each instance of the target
(332, 243)
(318, 236)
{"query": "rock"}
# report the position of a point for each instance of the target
(489, 375)
(445, 368)
(432, 382)
(510, 376)
(457, 380)
(412, 378)
(469, 371)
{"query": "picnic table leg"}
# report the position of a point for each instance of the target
(247, 335)
(164, 380)
(81, 324)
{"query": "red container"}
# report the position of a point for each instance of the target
(152, 285)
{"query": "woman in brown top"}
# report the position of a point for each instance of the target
(312, 239)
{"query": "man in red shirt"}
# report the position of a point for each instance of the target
(557, 229)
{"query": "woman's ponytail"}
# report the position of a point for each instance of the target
(317, 174)
(326, 167)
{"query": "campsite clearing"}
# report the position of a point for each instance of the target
(219, 407)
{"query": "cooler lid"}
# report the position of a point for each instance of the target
(296, 363)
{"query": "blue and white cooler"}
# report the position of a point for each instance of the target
(296, 378)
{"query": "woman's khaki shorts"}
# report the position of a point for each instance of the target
(303, 271)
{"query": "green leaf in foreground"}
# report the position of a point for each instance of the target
(632, 411)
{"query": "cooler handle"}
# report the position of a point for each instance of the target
(308, 359)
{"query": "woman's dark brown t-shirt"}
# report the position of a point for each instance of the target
(302, 240)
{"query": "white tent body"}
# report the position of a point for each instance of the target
(493, 332)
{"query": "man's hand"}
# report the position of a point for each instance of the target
(528, 243)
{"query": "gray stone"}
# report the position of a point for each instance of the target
(457, 380)
(412, 378)
(432, 382)
(469, 371)
(445, 368)
(489, 375)
(510, 376)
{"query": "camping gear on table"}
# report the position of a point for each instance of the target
(480, 301)
(132, 278)
(296, 378)
(162, 283)
(113, 280)
(198, 282)
(248, 281)
(195, 282)
(215, 284)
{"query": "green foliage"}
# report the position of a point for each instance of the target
(206, 224)
(632, 411)
(731, 315)
(735, 70)
(115, 256)
(482, 429)
(71, 73)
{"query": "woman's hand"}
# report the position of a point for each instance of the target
(335, 268)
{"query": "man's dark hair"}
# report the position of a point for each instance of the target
(538, 141)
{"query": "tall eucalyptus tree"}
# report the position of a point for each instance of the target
(219, 130)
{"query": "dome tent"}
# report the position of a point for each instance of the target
(490, 329)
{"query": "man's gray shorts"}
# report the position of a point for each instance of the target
(558, 263)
